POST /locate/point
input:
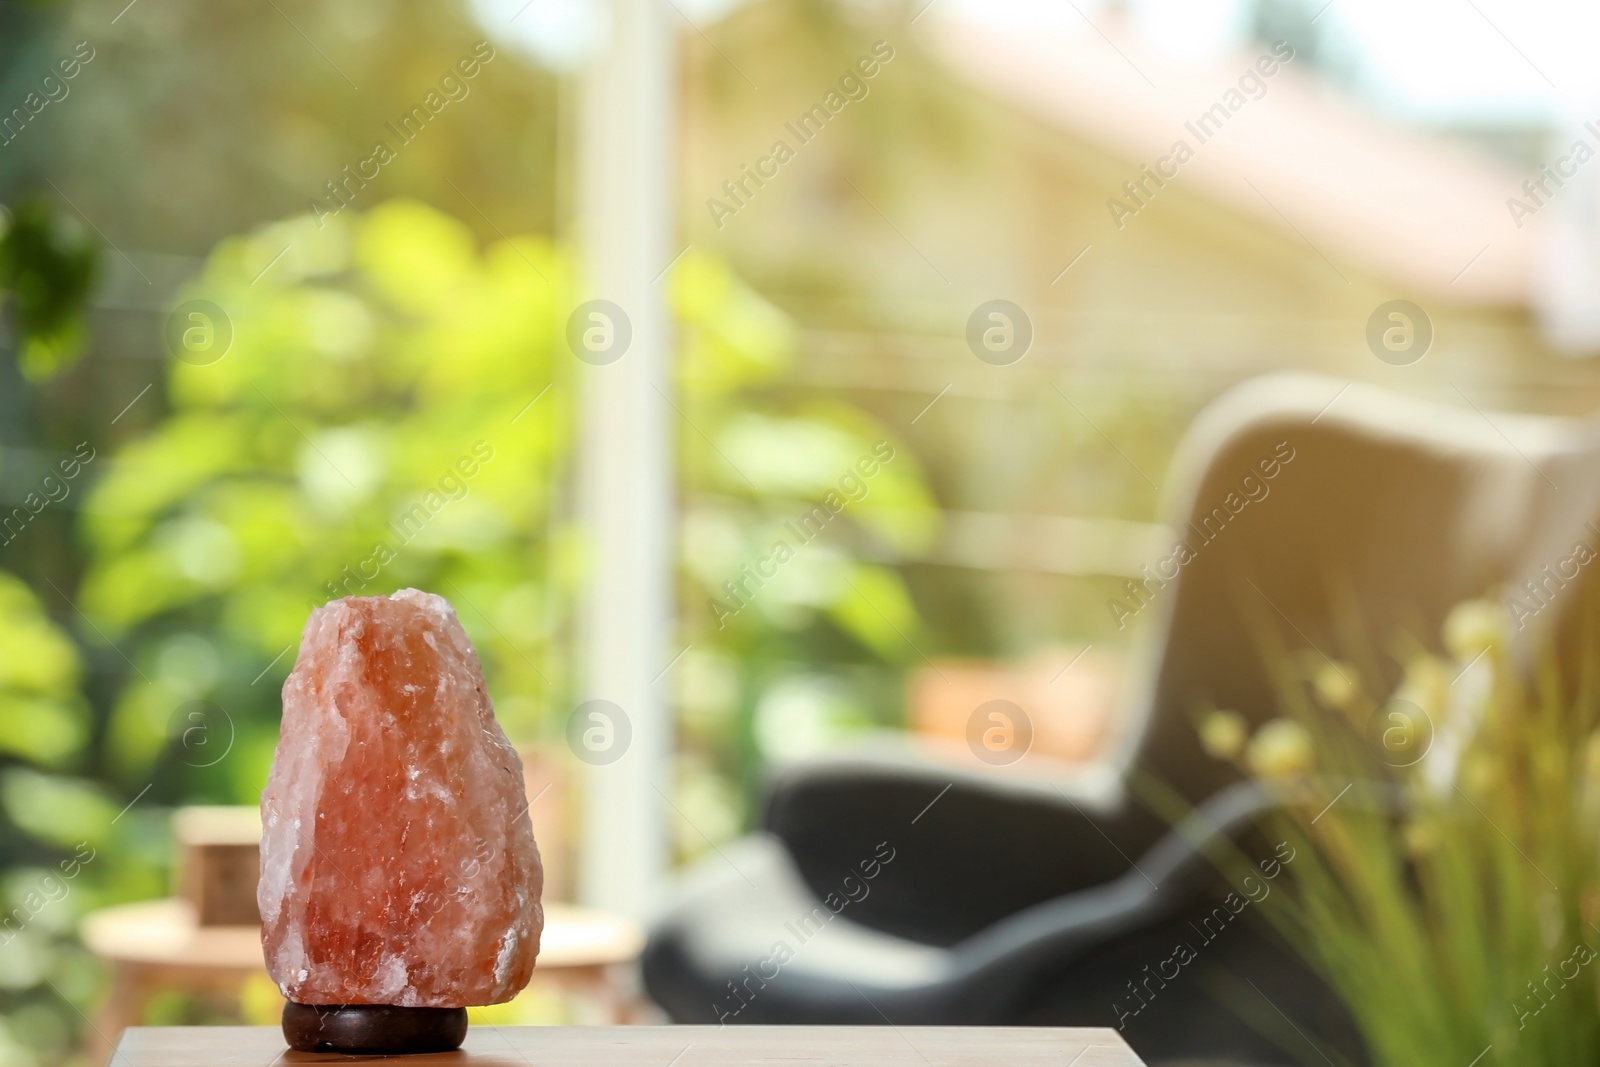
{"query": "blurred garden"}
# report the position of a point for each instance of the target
(218, 421)
(286, 315)
(289, 468)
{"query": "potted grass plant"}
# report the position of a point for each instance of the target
(1445, 882)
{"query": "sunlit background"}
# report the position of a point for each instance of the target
(365, 340)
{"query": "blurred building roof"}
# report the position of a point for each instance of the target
(1427, 214)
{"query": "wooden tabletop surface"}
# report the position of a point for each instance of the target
(661, 1046)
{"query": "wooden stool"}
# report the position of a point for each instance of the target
(207, 941)
(158, 946)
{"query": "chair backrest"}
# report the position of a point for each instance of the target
(1315, 503)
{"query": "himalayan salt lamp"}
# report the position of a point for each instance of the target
(400, 880)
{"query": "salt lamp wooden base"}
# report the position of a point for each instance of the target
(372, 1028)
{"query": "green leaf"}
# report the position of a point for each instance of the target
(61, 811)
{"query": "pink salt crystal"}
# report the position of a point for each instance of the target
(398, 864)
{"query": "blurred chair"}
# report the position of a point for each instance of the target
(1053, 898)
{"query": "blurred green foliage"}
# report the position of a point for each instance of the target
(372, 359)
(47, 267)
(45, 727)
(390, 405)
(370, 368)
(267, 104)
(375, 363)
(43, 717)
(769, 658)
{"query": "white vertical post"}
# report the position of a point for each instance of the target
(626, 140)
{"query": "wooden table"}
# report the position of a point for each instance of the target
(663, 1046)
